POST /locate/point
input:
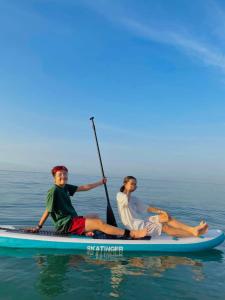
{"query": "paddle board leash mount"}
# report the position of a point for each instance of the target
(110, 218)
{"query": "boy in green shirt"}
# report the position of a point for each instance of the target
(64, 216)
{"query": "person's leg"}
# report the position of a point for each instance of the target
(181, 232)
(177, 224)
(175, 231)
(98, 224)
(192, 229)
(91, 216)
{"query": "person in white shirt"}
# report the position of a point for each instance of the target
(132, 211)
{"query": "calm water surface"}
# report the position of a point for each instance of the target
(42, 274)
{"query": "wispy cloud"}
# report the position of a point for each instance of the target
(180, 36)
(206, 53)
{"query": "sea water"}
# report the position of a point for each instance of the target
(50, 274)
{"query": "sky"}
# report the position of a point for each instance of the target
(151, 72)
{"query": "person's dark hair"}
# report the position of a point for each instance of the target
(125, 180)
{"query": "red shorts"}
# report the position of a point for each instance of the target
(77, 225)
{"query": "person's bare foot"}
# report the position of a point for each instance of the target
(136, 234)
(203, 230)
(202, 222)
(200, 229)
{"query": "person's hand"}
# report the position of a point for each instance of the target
(104, 180)
(32, 229)
(164, 216)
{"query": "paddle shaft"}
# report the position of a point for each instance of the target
(110, 216)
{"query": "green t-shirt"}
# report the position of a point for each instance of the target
(59, 205)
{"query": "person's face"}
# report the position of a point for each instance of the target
(61, 178)
(131, 185)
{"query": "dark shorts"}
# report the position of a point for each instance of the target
(77, 225)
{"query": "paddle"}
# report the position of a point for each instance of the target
(110, 218)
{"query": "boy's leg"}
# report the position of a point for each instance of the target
(98, 224)
(91, 216)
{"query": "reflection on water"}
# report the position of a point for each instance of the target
(55, 268)
(53, 272)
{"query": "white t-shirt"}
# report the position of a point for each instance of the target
(132, 211)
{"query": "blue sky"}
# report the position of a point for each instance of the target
(151, 72)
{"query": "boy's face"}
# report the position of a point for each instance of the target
(61, 178)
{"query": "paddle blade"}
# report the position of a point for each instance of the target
(110, 218)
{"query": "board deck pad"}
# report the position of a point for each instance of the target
(97, 234)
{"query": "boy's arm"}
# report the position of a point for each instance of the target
(91, 186)
(43, 218)
(41, 222)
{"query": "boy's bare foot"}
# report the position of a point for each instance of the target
(136, 234)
